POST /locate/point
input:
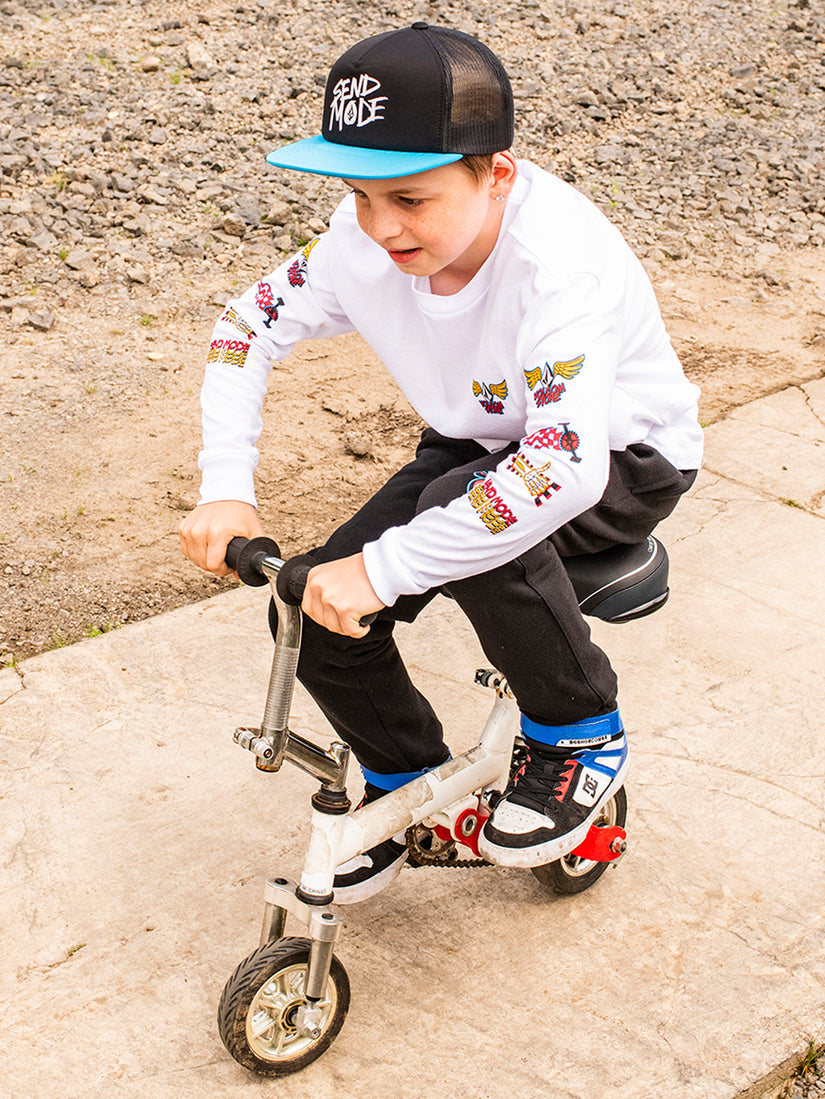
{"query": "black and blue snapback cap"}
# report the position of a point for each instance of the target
(404, 102)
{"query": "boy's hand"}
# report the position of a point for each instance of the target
(338, 594)
(207, 531)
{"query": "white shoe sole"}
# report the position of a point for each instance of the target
(551, 850)
(369, 887)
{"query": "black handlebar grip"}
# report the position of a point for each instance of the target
(292, 580)
(233, 550)
(244, 555)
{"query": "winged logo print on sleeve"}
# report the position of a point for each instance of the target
(542, 380)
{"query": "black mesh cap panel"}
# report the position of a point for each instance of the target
(479, 116)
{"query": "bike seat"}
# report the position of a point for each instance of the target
(621, 583)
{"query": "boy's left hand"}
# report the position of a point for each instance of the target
(338, 594)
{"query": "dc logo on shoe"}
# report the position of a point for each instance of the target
(590, 787)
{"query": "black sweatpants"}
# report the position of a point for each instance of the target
(524, 613)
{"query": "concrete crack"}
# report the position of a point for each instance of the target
(807, 508)
(810, 406)
(20, 675)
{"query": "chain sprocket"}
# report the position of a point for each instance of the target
(428, 849)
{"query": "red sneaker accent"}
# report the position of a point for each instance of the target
(566, 779)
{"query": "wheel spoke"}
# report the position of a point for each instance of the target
(260, 1023)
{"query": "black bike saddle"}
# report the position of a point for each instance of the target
(622, 582)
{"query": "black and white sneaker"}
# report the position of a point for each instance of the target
(362, 876)
(552, 800)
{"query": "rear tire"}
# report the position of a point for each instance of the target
(258, 1009)
(572, 874)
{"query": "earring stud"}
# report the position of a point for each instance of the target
(499, 198)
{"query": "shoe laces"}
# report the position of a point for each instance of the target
(546, 775)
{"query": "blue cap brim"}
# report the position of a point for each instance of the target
(326, 158)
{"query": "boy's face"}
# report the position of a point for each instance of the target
(438, 223)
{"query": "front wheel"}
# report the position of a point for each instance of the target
(259, 1016)
(573, 874)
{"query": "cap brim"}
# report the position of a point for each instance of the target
(326, 158)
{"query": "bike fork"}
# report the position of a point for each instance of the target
(323, 926)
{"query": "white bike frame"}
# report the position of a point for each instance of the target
(337, 833)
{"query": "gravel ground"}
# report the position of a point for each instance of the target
(131, 139)
(810, 1085)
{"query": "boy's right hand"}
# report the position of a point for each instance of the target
(207, 531)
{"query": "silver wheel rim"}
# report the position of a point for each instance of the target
(270, 1022)
(576, 867)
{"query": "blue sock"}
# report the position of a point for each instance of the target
(383, 784)
(590, 732)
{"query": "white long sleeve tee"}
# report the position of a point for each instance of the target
(557, 343)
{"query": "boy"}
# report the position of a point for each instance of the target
(526, 335)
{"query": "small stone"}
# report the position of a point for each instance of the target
(25, 256)
(197, 56)
(607, 154)
(122, 182)
(150, 65)
(188, 249)
(44, 241)
(136, 272)
(247, 210)
(157, 135)
(358, 444)
(233, 225)
(528, 90)
(43, 320)
(278, 213)
(151, 194)
(78, 259)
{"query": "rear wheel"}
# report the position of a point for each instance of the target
(261, 1017)
(573, 874)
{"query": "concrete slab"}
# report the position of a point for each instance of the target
(776, 445)
(137, 838)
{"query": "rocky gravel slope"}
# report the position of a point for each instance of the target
(131, 140)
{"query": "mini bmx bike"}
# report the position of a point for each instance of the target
(286, 1002)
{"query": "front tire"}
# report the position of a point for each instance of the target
(257, 1015)
(571, 874)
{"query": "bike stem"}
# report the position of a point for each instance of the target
(272, 742)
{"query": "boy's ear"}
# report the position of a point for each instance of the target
(504, 172)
